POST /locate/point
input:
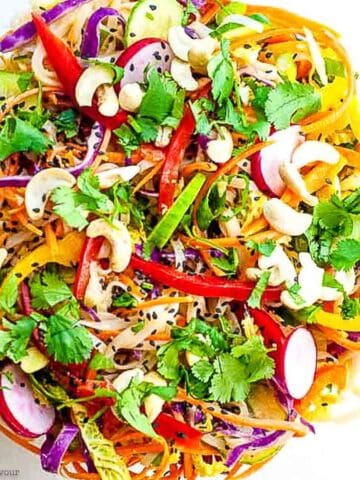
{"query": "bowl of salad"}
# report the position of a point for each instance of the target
(179, 236)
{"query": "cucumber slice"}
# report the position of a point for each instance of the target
(152, 18)
(13, 83)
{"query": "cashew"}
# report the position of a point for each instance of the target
(231, 227)
(108, 103)
(200, 54)
(33, 361)
(181, 73)
(119, 238)
(285, 219)
(314, 151)
(3, 255)
(39, 188)
(295, 182)
(310, 280)
(180, 42)
(164, 137)
(220, 150)
(153, 404)
(282, 269)
(109, 174)
(122, 382)
(130, 97)
(91, 79)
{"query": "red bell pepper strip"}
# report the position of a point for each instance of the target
(89, 253)
(205, 286)
(269, 328)
(179, 432)
(175, 154)
(69, 70)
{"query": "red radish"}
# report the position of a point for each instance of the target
(138, 57)
(298, 362)
(18, 406)
(265, 165)
(295, 354)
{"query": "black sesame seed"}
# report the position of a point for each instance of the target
(139, 345)
(153, 7)
(268, 54)
(167, 58)
(153, 332)
(37, 401)
(22, 385)
(247, 46)
(18, 275)
(159, 69)
(154, 316)
(163, 45)
(36, 210)
(152, 343)
(132, 34)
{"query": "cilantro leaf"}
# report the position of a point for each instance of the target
(125, 300)
(350, 308)
(229, 382)
(72, 206)
(24, 80)
(201, 109)
(100, 362)
(67, 341)
(221, 72)
(14, 340)
(159, 98)
(127, 139)
(9, 294)
(68, 122)
(259, 365)
(291, 102)
(202, 370)
(346, 254)
(47, 290)
(265, 248)
(227, 263)
(128, 407)
(19, 136)
(254, 300)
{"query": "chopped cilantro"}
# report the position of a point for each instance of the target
(68, 122)
(100, 362)
(8, 294)
(227, 263)
(221, 72)
(265, 248)
(202, 370)
(15, 339)
(67, 341)
(47, 290)
(291, 102)
(24, 80)
(125, 300)
(19, 136)
(346, 254)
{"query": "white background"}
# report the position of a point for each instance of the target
(333, 454)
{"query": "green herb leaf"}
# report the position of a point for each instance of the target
(125, 300)
(101, 362)
(138, 326)
(9, 294)
(68, 122)
(212, 206)
(127, 139)
(253, 353)
(67, 341)
(128, 407)
(24, 80)
(47, 290)
(291, 102)
(221, 72)
(346, 254)
(202, 370)
(229, 382)
(19, 136)
(265, 248)
(254, 300)
(14, 340)
(334, 68)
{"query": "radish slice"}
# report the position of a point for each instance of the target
(18, 406)
(298, 363)
(265, 165)
(150, 52)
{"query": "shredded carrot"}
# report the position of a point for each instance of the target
(127, 280)
(284, 18)
(250, 471)
(163, 301)
(12, 102)
(66, 472)
(22, 218)
(296, 428)
(267, 235)
(198, 167)
(116, 157)
(188, 467)
(22, 442)
(50, 238)
(340, 338)
(154, 171)
(212, 9)
(104, 145)
(352, 156)
(59, 228)
(164, 461)
(159, 337)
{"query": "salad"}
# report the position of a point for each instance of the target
(180, 235)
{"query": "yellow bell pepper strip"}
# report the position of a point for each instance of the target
(336, 322)
(330, 380)
(68, 253)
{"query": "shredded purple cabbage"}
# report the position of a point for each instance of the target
(191, 33)
(27, 32)
(203, 141)
(258, 443)
(91, 40)
(53, 449)
(354, 336)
